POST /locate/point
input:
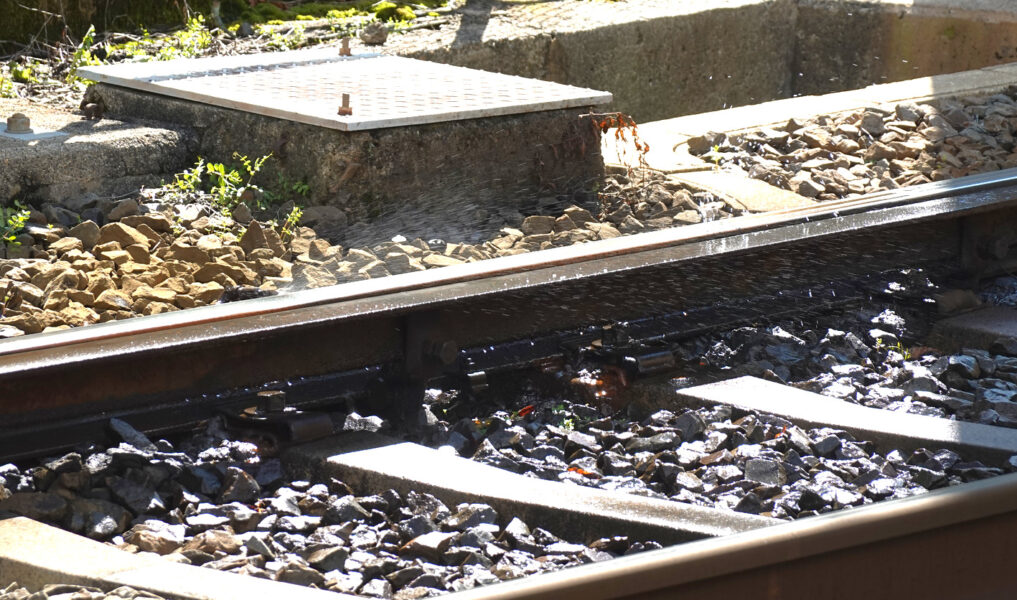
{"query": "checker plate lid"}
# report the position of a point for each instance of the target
(307, 86)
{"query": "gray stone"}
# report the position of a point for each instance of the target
(329, 559)
(131, 435)
(140, 496)
(765, 471)
(468, 516)
(690, 425)
(346, 509)
(430, 545)
(417, 525)
(239, 486)
(98, 519)
(258, 545)
(300, 574)
(355, 422)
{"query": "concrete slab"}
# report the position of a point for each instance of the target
(373, 462)
(742, 193)
(76, 157)
(887, 429)
(35, 554)
(975, 329)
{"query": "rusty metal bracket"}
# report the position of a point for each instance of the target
(272, 425)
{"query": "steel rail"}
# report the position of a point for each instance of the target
(189, 358)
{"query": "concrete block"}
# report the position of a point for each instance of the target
(848, 44)
(102, 157)
(975, 329)
(369, 462)
(34, 554)
(433, 177)
(887, 429)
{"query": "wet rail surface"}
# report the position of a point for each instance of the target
(172, 370)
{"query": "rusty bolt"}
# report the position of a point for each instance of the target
(446, 351)
(272, 401)
(345, 50)
(19, 123)
(345, 108)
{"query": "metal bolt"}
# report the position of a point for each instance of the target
(345, 108)
(445, 351)
(18, 123)
(272, 401)
(345, 50)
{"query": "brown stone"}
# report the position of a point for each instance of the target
(179, 285)
(156, 308)
(439, 260)
(184, 252)
(308, 276)
(603, 230)
(157, 222)
(210, 272)
(99, 283)
(206, 293)
(113, 300)
(537, 224)
(77, 314)
(254, 238)
(125, 235)
(139, 254)
(118, 257)
(106, 247)
(214, 540)
(64, 245)
(87, 232)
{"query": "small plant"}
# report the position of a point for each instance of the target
(290, 40)
(226, 184)
(83, 57)
(897, 347)
(289, 225)
(6, 86)
(23, 73)
(12, 221)
(189, 180)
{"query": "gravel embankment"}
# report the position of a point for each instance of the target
(876, 149)
(213, 501)
(108, 260)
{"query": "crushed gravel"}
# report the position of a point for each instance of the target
(101, 260)
(875, 149)
(210, 500)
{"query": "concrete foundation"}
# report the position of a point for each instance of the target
(441, 174)
(665, 59)
(70, 157)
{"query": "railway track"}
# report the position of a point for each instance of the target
(459, 326)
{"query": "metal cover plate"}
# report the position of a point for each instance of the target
(307, 86)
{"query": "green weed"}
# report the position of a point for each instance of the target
(83, 57)
(12, 221)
